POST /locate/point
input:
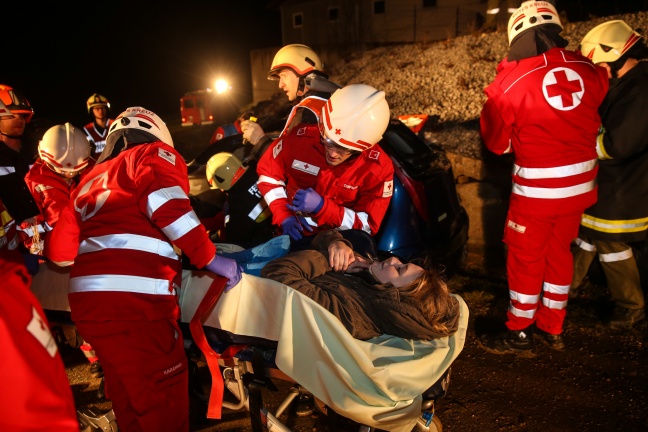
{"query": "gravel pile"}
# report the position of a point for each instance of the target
(446, 79)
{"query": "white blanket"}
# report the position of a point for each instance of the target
(377, 382)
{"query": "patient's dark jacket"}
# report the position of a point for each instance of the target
(366, 309)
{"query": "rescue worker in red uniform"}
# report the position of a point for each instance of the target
(64, 157)
(620, 216)
(64, 153)
(35, 392)
(121, 230)
(97, 130)
(542, 106)
(301, 76)
(332, 175)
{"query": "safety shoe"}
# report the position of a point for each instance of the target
(518, 342)
(624, 319)
(553, 341)
(305, 405)
(96, 370)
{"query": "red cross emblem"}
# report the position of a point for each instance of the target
(563, 88)
(338, 131)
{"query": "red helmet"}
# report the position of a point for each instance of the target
(15, 101)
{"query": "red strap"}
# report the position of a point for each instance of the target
(195, 326)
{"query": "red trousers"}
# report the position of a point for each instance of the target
(539, 267)
(145, 368)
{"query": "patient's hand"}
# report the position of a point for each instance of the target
(358, 265)
(340, 256)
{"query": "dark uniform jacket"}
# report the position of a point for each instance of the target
(14, 192)
(621, 212)
(367, 309)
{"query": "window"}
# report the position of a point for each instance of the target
(333, 13)
(429, 3)
(298, 20)
(378, 7)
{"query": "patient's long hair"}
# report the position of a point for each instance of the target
(430, 294)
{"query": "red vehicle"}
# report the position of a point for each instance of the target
(196, 108)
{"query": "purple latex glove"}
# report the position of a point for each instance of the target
(226, 267)
(307, 201)
(294, 226)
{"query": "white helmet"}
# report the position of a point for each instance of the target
(136, 125)
(607, 42)
(65, 148)
(223, 170)
(299, 58)
(355, 117)
(531, 14)
(4, 111)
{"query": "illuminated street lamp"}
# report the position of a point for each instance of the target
(221, 86)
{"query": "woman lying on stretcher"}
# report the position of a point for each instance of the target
(369, 298)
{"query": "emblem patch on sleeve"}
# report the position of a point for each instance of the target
(516, 227)
(374, 154)
(388, 188)
(167, 156)
(277, 149)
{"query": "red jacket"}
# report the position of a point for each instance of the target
(544, 109)
(120, 229)
(356, 193)
(51, 193)
(36, 393)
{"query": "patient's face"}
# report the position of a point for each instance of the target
(394, 271)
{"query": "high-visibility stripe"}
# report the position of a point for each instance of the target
(348, 220)
(181, 226)
(614, 226)
(494, 11)
(524, 298)
(256, 211)
(121, 283)
(522, 313)
(161, 196)
(128, 241)
(274, 194)
(555, 289)
(554, 304)
(616, 256)
(270, 180)
(554, 193)
(4, 170)
(600, 148)
(555, 172)
(584, 245)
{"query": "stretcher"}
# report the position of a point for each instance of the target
(262, 330)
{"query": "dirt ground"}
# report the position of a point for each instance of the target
(598, 383)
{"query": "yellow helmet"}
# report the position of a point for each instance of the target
(65, 148)
(607, 42)
(97, 100)
(223, 170)
(531, 14)
(298, 58)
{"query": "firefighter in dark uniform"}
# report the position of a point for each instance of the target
(620, 216)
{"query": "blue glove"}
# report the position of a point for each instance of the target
(226, 267)
(294, 226)
(307, 201)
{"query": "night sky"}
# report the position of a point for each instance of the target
(132, 52)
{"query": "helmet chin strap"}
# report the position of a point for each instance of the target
(12, 136)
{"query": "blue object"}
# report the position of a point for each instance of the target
(254, 259)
